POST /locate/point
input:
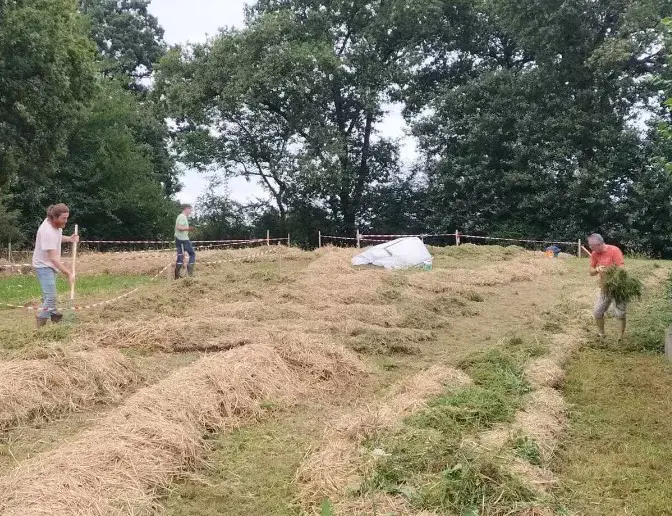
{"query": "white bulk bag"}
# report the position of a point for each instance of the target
(397, 254)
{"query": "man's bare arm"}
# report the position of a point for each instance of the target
(70, 239)
(58, 264)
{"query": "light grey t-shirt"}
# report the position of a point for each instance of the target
(48, 239)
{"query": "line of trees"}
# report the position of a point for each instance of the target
(77, 121)
(538, 118)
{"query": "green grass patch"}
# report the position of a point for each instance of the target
(616, 456)
(472, 295)
(23, 289)
(528, 450)
(618, 451)
(249, 471)
(13, 339)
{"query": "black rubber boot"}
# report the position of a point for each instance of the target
(178, 268)
(57, 317)
(190, 269)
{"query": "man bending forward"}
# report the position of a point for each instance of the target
(604, 256)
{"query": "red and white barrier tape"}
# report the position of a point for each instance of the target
(338, 238)
(232, 241)
(157, 252)
(15, 266)
(517, 240)
(378, 238)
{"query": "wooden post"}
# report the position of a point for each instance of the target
(579, 251)
(9, 252)
(359, 240)
(457, 237)
(74, 262)
(319, 239)
(268, 238)
(289, 240)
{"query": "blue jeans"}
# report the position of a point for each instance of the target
(182, 246)
(47, 278)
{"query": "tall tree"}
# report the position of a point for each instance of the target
(47, 70)
(321, 72)
(128, 37)
(108, 176)
(130, 41)
(540, 136)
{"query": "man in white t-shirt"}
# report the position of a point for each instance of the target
(47, 260)
(182, 242)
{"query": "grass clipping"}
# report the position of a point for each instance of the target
(621, 286)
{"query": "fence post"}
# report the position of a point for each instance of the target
(9, 252)
(457, 237)
(268, 238)
(359, 240)
(579, 249)
(319, 239)
(289, 240)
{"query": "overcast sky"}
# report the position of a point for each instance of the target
(195, 20)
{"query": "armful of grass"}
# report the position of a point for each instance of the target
(621, 286)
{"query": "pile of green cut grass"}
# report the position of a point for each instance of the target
(26, 288)
(423, 459)
(621, 285)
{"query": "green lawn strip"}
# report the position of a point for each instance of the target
(249, 471)
(422, 459)
(616, 457)
(24, 289)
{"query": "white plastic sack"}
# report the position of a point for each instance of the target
(397, 254)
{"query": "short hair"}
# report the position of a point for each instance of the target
(185, 206)
(56, 210)
(596, 237)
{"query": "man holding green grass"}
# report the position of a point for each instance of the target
(182, 242)
(47, 260)
(602, 257)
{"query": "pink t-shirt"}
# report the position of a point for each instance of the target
(48, 239)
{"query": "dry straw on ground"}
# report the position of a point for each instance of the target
(336, 463)
(31, 389)
(171, 335)
(119, 466)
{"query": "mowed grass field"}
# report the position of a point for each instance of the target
(279, 381)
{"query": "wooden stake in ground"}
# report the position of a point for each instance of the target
(74, 262)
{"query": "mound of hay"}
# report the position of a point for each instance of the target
(335, 463)
(544, 372)
(119, 466)
(543, 420)
(172, 335)
(621, 286)
(30, 389)
(345, 285)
